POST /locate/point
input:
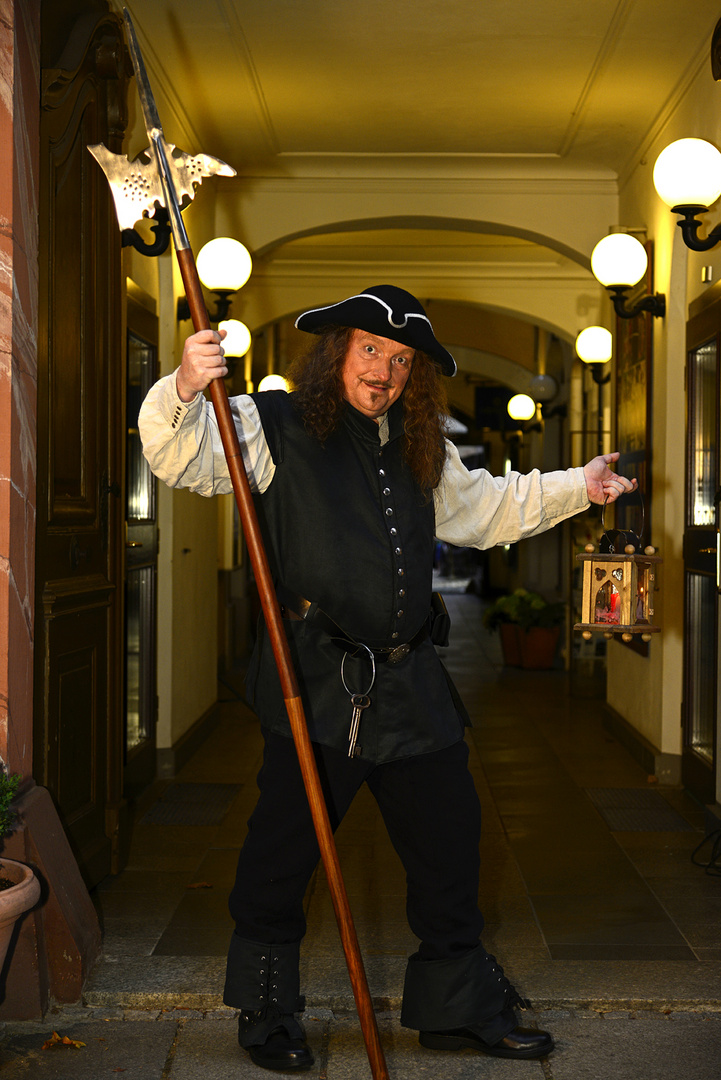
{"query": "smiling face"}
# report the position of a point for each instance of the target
(375, 372)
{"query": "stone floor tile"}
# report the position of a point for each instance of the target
(135, 1048)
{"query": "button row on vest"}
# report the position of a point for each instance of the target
(398, 551)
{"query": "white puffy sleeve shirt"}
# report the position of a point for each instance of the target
(472, 508)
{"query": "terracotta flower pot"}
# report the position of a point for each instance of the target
(538, 646)
(15, 900)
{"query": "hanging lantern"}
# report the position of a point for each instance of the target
(618, 586)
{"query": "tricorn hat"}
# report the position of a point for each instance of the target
(384, 310)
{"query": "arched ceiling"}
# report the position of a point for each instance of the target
(397, 248)
(546, 93)
(281, 87)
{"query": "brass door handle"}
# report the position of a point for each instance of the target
(136, 543)
(707, 551)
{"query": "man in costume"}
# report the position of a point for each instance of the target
(355, 481)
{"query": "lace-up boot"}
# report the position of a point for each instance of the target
(468, 1001)
(263, 982)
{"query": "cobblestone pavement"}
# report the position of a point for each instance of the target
(182, 1044)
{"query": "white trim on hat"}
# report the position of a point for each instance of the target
(370, 296)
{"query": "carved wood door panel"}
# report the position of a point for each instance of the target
(78, 654)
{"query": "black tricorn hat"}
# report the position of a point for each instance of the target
(384, 310)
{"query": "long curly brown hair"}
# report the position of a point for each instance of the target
(317, 378)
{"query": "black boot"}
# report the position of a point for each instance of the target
(263, 981)
(520, 1043)
(467, 1001)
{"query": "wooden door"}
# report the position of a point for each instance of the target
(141, 559)
(701, 554)
(78, 625)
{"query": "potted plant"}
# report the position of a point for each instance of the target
(19, 887)
(529, 626)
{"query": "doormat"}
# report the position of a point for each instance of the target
(636, 810)
(192, 804)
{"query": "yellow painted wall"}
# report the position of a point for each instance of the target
(648, 692)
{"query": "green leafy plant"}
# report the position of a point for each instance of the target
(525, 609)
(8, 790)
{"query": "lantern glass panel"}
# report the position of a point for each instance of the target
(641, 601)
(607, 607)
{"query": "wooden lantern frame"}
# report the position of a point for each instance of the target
(632, 578)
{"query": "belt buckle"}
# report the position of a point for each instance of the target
(399, 653)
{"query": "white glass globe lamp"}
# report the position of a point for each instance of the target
(237, 340)
(688, 173)
(521, 407)
(543, 388)
(224, 264)
(273, 382)
(619, 260)
(594, 345)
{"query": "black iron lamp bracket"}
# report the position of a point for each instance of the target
(223, 304)
(655, 304)
(161, 228)
(689, 227)
(597, 373)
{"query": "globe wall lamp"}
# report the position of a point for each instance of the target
(619, 261)
(224, 266)
(521, 407)
(237, 337)
(594, 346)
(276, 382)
(543, 388)
(236, 343)
(687, 176)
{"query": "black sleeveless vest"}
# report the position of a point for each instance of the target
(347, 526)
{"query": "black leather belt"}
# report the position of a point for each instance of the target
(296, 608)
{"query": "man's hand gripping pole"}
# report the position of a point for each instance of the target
(164, 190)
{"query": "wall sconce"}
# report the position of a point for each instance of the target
(160, 226)
(594, 346)
(521, 407)
(275, 382)
(687, 176)
(619, 261)
(237, 340)
(543, 388)
(224, 266)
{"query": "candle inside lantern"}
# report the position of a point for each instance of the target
(606, 606)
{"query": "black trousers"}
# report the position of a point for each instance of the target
(431, 811)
